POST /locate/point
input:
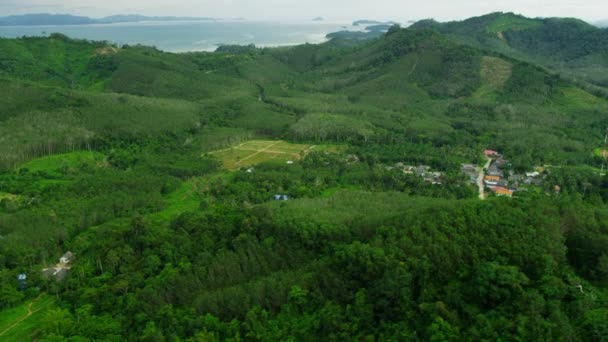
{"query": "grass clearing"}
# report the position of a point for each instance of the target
(66, 160)
(495, 71)
(21, 322)
(258, 151)
(8, 196)
(599, 152)
(512, 22)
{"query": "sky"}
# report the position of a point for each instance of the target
(335, 10)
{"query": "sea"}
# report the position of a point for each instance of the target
(189, 36)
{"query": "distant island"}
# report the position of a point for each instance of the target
(372, 22)
(319, 19)
(374, 29)
(67, 19)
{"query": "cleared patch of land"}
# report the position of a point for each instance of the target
(8, 196)
(495, 71)
(257, 151)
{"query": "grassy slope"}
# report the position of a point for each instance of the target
(407, 82)
(569, 46)
(16, 325)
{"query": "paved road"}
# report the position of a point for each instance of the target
(480, 185)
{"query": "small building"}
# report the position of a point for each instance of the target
(494, 170)
(501, 163)
(61, 270)
(491, 153)
(352, 158)
(503, 183)
(289, 162)
(515, 178)
(281, 197)
(422, 170)
(408, 169)
(491, 180)
(22, 278)
(500, 191)
(532, 174)
(66, 258)
(469, 170)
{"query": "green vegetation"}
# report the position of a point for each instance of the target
(21, 323)
(167, 176)
(571, 47)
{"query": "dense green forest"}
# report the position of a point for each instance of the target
(312, 233)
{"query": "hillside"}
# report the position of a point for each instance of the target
(299, 193)
(569, 46)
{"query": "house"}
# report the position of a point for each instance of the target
(289, 162)
(408, 169)
(503, 183)
(281, 198)
(515, 178)
(532, 174)
(352, 158)
(500, 191)
(422, 170)
(494, 170)
(66, 258)
(491, 153)
(470, 170)
(491, 180)
(433, 177)
(501, 163)
(61, 270)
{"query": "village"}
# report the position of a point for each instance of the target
(497, 175)
(423, 171)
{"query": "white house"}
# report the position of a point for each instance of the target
(66, 258)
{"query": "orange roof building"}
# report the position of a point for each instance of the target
(502, 191)
(490, 178)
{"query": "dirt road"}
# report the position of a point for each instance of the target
(480, 185)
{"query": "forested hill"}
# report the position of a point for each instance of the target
(567, 45)
(299, 193)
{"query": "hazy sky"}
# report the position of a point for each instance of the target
(400, 10)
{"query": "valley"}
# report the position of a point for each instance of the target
(421, 185)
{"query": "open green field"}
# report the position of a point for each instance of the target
(18, 323)
(257, 151)
(66, 160)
